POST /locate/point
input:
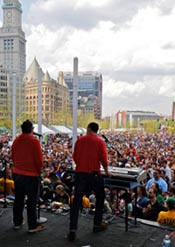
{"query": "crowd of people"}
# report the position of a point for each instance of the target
(154, 153)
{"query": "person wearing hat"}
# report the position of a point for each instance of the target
(168, 217)
(27, 159)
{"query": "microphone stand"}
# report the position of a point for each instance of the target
(40, 220)
(4, 184)
(109, 145)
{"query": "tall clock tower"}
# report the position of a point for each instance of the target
(13, 47)
(12, 13)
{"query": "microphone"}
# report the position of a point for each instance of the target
(105, 138)
(111, 146)
(37, 134)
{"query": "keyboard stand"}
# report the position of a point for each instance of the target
(114, 182)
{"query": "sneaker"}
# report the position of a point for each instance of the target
(71, 236)
(101, 227)
(37, 229)
(19, 226)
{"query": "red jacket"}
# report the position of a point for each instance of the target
(27, 155)
(89, 153)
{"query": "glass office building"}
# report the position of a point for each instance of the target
(89, 91)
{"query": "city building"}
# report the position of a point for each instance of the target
(55, 95)
(135, 117)
(4, 86)
(89, 92)
(13, 52)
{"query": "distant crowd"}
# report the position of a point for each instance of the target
(153, 199)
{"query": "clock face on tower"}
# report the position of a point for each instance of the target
(9, 16)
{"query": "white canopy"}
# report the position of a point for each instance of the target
(83, 130)
(44, 129)
(79, 131)
(60, 129)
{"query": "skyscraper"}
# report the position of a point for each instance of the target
(89, 91)
(12, 48)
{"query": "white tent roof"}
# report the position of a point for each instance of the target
(83, 130)
(79, 131)
(60, 129)
(44, 129)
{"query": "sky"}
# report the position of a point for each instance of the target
(132, 43)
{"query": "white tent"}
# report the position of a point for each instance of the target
(83, 130)
(79, 131)
(61, 129)
(44, 129)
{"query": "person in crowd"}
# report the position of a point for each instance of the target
(60, 171)
(171, 191)
(152, 207)
(7, 184)
(114, 199)
(66, 177)
(168, 217)
(89, 153)
(166, 168)
(46, 190)
(107, 201)
(126, 197)
(131, 150)
(27, 158)
(92, 201)
(140, 200)
(158, 193)
(60, 198)
(157, 179)
(163, 175)
(6, 181)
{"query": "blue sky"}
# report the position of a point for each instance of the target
(132, 43)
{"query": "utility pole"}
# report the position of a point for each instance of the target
(39, 101)
(75, 102)
(14, 106)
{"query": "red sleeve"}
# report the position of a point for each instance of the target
(38, 157)
(103, 154)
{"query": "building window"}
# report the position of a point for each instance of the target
(8, 44)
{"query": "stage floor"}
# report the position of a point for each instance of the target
(56, 228)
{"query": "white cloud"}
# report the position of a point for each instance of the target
(123, 89)
(94, 3)
(135, 54)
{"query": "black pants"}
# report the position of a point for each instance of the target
(87, 182)
(26, 186)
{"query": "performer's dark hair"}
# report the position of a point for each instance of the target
(93, 126)
(27, 127)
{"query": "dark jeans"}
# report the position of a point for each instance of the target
(85, 182)
(26, 186)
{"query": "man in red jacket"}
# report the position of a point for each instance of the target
(28, 162)
(89, 153)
